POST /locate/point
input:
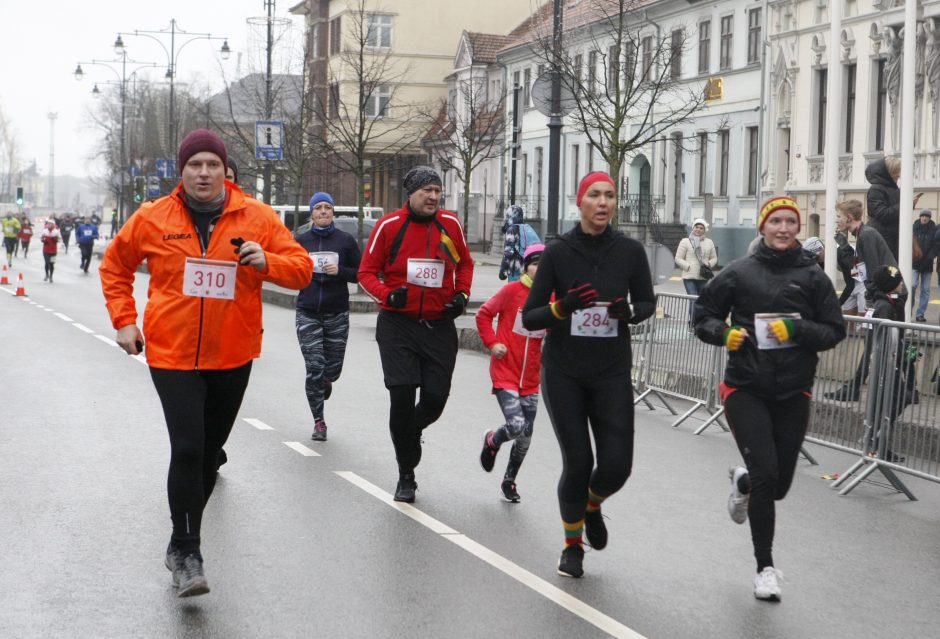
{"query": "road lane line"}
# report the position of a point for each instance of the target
(63, 317)
(6, 290)
(574, 605)
(82, 328)
(107, 340)
(303, 450)
(257, 423)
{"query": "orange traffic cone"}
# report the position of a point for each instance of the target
(4, 280)
(20, 289)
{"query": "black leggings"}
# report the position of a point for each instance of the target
(606, 402)
(769, 435)
(406, 420)
(86, 250)
(200, 409)
(49, 260)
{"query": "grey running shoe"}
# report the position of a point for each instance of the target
(509, 491)
(766, 584)
(406, 488)
(737, 501)
(570, 564)
(319, 431)
(172, 558)
(189, 576)
(595, 529)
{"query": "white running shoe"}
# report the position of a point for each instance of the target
(737, 501)
(766, 585)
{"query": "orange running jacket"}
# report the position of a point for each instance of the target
(183, 332)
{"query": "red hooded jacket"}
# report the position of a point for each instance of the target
(518, 370)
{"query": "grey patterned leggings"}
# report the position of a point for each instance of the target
(322, 338)
(520, 419)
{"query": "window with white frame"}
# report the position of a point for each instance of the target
(724, 140)
(881, 104)
(754, 43)
(539, 159)
(575, 167)
(647, 52)
(675, 54)
(702, 161)
(592, 72)
(822, 82)
(578, 64)
(524, 170)
(704, 46)
(377, 102)
(727, 35)
(379, 34)
(613, 68)
(850, 70)
(336, 35)
(752, 145)
(527, 88)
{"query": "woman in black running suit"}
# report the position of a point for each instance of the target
(593, 271)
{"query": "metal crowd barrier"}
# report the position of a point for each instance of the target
(888, 419)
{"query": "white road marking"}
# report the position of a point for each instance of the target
(257, 423)
(63, 317)
(303, 450)
(140, 358)
(6, 290)
(574, 605)
(49, 310)
(107, 340)
(82, 327)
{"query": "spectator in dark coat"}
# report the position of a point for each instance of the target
(884, 198)
(924, 232)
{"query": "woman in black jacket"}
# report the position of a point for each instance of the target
(593, 271)
(884, 199)
(783, 310)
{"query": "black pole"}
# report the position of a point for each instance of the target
(124, 166)
(515, 143)
(554, 128)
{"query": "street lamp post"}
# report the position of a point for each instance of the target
(172, 55)
(124, 77)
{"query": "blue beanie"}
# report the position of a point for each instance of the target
(320, 197)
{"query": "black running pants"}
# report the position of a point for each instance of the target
(769, 435)
(605, 403)
(200, 408)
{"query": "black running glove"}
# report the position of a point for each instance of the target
(398, 298)
(456, 306)
(578, 297)
(619, 309)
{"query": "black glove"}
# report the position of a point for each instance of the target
(456, 306)
(619, 309)
(841, 239)
(578, 297)
(502, 274)
(398, 298)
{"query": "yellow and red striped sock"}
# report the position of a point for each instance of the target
(573, 532)
(594, 501)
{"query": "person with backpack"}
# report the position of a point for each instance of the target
(517, 236)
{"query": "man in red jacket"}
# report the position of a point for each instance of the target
(418, 269)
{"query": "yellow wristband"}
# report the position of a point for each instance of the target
(558, 314)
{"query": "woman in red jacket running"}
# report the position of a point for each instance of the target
(514, 368)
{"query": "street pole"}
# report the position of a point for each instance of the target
(515, 143)
(269, 4)
(124, 167)
(554, 127)
(171, 72)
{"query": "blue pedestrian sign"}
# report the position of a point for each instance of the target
(165, 168)
(269, 140)
(153, 186)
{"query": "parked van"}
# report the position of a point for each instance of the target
(286, 213)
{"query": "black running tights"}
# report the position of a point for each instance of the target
(769, 435)
(406, 420)
(606, 403)
(200, 408)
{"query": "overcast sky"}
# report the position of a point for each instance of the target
(41, 43)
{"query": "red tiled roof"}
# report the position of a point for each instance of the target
(485, 45)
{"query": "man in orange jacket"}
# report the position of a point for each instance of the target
(208, 249)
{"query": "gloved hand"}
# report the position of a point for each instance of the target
(734, 337)
(841, 239)
(456, 306)
(619, 309)
(398, 298)
(578, 297)
(781, 330)
(502, 274)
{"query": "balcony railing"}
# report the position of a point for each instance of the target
(639, 209)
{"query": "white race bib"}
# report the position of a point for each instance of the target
(87, 233)
(321, 258)
(427, 273)
(519, 329)
(765, 337)
(209, 278)
(593, 322)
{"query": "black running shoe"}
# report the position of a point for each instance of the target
(189, 576)
(488, 454)
(172, 559)
(406, 488)
(509, 491)
(570, 564)
(845, 394)
(595, 529)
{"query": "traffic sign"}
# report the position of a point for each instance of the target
(269, 140)
(153, 185)
(165, 168)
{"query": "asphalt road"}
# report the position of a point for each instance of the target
(301, 538)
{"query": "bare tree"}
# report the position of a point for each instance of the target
(625, 88)
(468, 131)
(8, 158)
(360, 116)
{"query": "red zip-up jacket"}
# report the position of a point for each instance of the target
(518, 370)
(402, 235)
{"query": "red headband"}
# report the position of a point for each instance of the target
(589, 179)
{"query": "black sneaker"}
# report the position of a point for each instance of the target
(921, 318)
(845, 394)
(488, 454)
(570, 564)
(509, 491)
(406, 488)
(189, 576)
(319, 431)
(595, 529)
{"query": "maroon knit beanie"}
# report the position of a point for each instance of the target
(198, 141)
